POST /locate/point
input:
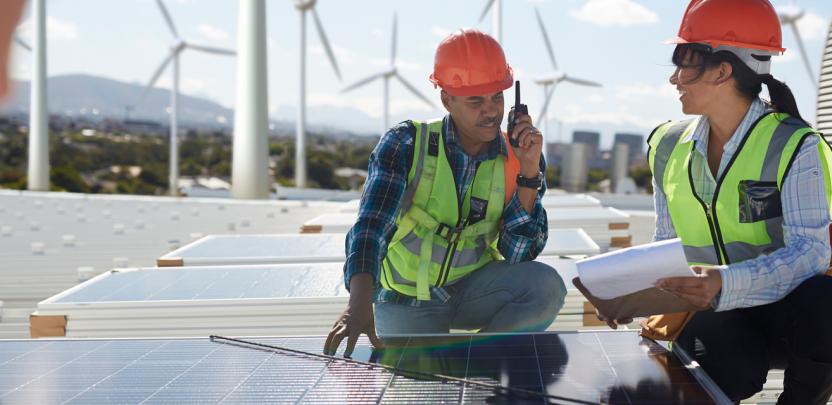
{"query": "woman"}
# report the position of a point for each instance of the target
(746, 186)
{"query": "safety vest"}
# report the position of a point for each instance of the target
(744, 220)
(439, 238)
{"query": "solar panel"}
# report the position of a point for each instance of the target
(319, 248)
(610, 367)
(193, 301)
(258, 249)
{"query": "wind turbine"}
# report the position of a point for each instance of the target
(179, 45)
(300, 145)
(553, 78)
(386, 74)
(496, 18)
(790, 15)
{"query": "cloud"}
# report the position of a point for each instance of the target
(608, 13)
(211, 32)
(812, 27)
(56, 29)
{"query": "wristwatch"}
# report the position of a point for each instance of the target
(534, 182)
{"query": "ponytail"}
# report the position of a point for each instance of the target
(782, 98)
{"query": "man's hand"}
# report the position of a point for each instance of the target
(357, 318)
(613, 323)
(699, 290)
(531, 146)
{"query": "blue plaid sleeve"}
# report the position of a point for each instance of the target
(524, 234)
(367, 240)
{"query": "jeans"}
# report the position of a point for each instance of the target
(499, 297)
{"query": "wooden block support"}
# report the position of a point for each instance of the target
(47, 326)
(621, 241)
(589, 316)
(311, 229)
(614, 226)
(170, 262)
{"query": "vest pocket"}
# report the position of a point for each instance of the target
(759, 200)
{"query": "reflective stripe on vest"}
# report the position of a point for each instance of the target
(716, 233)
(433, 244)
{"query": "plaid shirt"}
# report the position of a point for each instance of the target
(522, 236)
(767, 278)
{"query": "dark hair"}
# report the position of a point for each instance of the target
(748, 82)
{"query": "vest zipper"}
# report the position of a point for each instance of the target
(712, 227)
(713, 219)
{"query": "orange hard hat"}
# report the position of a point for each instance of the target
(471, 63)
(751, 24)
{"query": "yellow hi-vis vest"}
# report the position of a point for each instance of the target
(744, 219)
(439, 238)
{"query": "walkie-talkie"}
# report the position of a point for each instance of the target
(515, 112)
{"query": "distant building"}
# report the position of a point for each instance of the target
(636, 145)
(591, 139)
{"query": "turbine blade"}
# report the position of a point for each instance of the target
(415, 91)
(210, 49)
(546, 38)
(22, 43)
(803, 53)
(485, 10)
(581, 82)
(325, 41)
(363, 82)
(157, 73)
(393, 50)
(168, 20)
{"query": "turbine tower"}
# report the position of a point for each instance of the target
(304, 6)
(553, 78)
(790, 15)
(823, 114)
(386, 74)
(179, 45)
(496, 7)
(38, 170)
(250, 167)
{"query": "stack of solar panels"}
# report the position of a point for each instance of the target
(824, 107)
(222, 250)
(276, 299)
(608, 227)
(217, 250)
(282, 299)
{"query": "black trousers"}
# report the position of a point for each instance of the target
(737, 348)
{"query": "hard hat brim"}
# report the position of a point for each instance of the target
(714, 43)
(481, 89)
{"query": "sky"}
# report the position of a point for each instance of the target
(618, 43)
